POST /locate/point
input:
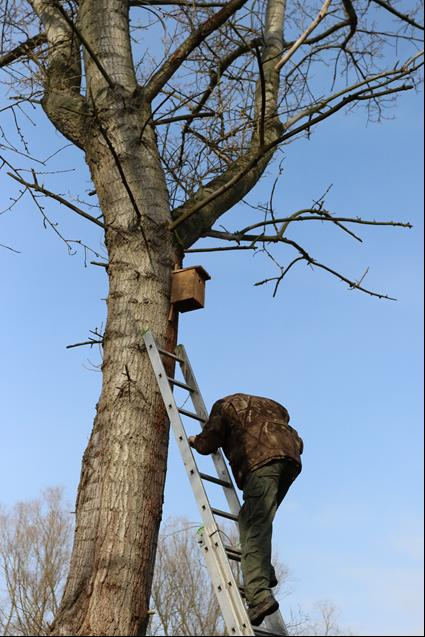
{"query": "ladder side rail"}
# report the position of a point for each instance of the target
(232, 607)
(179, 432)
(218, 459)
(224, 583)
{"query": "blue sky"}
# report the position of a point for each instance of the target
(347, 366)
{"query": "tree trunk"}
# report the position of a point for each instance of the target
(119, 502)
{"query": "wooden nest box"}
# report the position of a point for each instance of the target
(188, 288)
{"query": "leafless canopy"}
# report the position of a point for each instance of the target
(35, 544)
(228, 84)
(35, 538)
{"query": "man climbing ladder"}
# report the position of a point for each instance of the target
(216, 553)
(264, 452)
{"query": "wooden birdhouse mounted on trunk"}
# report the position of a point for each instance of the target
(188, 288)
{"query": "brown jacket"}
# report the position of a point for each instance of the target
(252, 431)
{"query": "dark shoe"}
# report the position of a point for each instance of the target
(273, 580)
(257, 613)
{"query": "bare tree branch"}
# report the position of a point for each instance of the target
(177, 3)
(23, 49)
(403, 16)
(304, 255)
(244, 168)
(183, 51)
(179, 118)
(36, 186)
(352, 19)
(250, 165)
(2, 245)
(323, 11)
(296, 216)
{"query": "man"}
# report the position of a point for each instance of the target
(264, 452)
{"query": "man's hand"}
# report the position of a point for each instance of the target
(191, 440)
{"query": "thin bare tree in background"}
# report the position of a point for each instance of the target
(178, 106)
(322, 620)
(35, 547)
(183, 599)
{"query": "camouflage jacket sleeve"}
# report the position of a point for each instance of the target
(214, 431)
(299, 440)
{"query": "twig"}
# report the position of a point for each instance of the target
(304, 36)
(36, 186)
(100, 264)
(304, 255)
(173, 63)
(180, 118)
(220, 249)
(317, 217)
(402, 16)
(91, 342)
(2, 245)
(291, 133)
(177, 3)
(279, 279)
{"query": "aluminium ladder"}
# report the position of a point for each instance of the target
(216, 553)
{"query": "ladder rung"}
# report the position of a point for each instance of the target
(190, 414)
(170, 354)
(225, 514)
(232, 549)
(222, 483)
(262, 631)
(180, 384)
(233, 554)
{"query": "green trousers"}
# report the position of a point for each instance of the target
(263, 491)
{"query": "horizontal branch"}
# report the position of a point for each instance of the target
(181, 118)
(22, 49)
(322, 214)
(100, 264)
(316, 217)
(304, 255)
(36, 186)
(91, 342)
(177, 3)
(219, 249)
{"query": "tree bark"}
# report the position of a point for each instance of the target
(119, 502)
(120, 495)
